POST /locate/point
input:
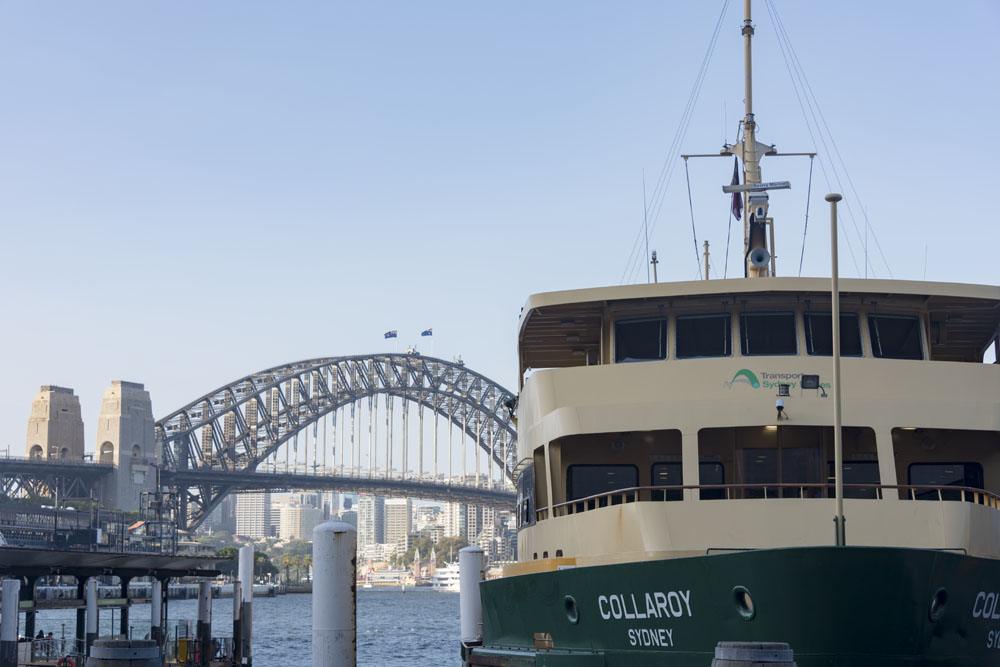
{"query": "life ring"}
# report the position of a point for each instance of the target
(66, 661)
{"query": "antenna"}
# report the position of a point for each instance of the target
(645, 219)
(654, 262)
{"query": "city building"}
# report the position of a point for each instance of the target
(398, 521)
(55, 427)
(253, 515)
(298, 521)
(371, 520)
(453, 519)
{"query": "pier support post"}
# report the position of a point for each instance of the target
(156, 612)
(205, 622)
(246, 612)
(237, 624)
(334, 597)
(91, 612)
(471, 570)
(8, 622)
(28, 595)
(123, 619)
(81, 611)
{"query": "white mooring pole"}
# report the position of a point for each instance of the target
(92, 620)
(838, 441)
(9, 622)
(471, 570)
(334, 596)
(246, 604)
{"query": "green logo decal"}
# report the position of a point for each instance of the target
(747, 376)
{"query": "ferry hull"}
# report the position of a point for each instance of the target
(835, 606)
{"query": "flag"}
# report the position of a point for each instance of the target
(391, 334)
(427, 332)
(737, 207)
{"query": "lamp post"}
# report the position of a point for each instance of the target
(838, 441)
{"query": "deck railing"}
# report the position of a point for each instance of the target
(769, 492)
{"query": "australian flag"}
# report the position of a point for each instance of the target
(737, 207)
(427, 332)
(391, 334)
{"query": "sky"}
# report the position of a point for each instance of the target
(190, 192)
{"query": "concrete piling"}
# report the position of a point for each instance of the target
(92, 625)
(471, 570)
(334, 597)
(9, 622)
(156, 612)
(205, 622)
(246, 611)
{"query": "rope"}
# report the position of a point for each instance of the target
(694, 234)
(805, 228)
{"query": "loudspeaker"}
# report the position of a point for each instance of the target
(759, 257)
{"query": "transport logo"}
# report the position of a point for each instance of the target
(745, 376)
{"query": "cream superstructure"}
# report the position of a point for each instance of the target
(697, 416)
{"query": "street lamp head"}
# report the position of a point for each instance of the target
(834, 197)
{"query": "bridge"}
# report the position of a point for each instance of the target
(387, 424)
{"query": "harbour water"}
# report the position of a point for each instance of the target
(418, 628)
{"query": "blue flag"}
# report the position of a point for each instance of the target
(391, 334)
(737, 206)
(427, 332)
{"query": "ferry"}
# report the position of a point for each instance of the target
(678, 478)
(446, 578)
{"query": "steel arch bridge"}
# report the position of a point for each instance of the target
(213, 445)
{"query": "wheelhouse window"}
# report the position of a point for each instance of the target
(819, 334)
(968, 474)
(672, 474)
(640, 340)
(857, 472)
(768, 333)
(704, 336)
(895, 336)
(525, 497)
(585, 480)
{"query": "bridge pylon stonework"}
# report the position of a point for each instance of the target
(352, 423)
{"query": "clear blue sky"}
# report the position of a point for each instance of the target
(193, 191)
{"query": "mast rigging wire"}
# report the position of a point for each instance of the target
(666, 170)
(822, 125)
(694, 234)
(805, 227)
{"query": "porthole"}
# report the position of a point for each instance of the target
(572, 613)
(938, 603)
(744, 603)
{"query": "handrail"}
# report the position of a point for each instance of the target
(768, 492)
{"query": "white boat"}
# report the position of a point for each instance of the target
(446, 579)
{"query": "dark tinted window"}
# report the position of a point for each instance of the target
(768, 333)
(819, 334)
(801, 465)
(945, 474)
(671, 474)
(590, 480)
(895, 337)
(704, 336)
(760, 466)
(640, 340)
(525, 497)
(857, 472)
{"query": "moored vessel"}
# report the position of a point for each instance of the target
(681, 468)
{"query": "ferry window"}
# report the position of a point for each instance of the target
(760, 466)
(801, 465)
(856, 472)
(819, 334)
(968, 474)
(704, 336)
(640, 340)
(584, 480)
(895, 336)
(768, 333)
(525, 497)
(671, 474)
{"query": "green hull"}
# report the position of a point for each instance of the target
(834, 606)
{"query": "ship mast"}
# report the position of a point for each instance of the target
(758, 256)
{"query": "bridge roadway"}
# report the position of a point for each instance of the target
(243, 480)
